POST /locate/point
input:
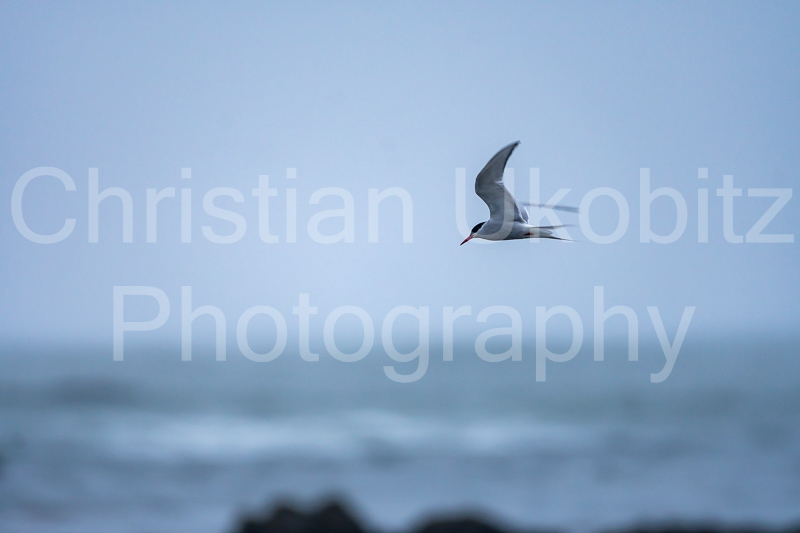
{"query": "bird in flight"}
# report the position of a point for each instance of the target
(508, 219)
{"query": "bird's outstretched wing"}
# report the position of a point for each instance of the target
(489, 186)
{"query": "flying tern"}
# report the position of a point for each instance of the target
(508, 219)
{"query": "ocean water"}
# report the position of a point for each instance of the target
(153, 444)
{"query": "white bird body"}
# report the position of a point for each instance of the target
(508, 219)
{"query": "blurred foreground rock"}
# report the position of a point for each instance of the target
(330, 518)
(334, 518)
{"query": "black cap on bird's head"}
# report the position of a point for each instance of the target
(473, 231)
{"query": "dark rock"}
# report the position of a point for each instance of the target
(334, 518)
(330, 518)
(459, 525)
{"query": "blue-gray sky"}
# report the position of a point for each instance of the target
(377, 95)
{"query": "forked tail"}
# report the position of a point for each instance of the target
(546, 232)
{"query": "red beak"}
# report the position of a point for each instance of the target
(468, 238)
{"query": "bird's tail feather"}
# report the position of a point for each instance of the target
(556, 238)
(551, 227)
(567, 208)
(547, 233)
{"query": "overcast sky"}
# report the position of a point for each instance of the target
(363, 96)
